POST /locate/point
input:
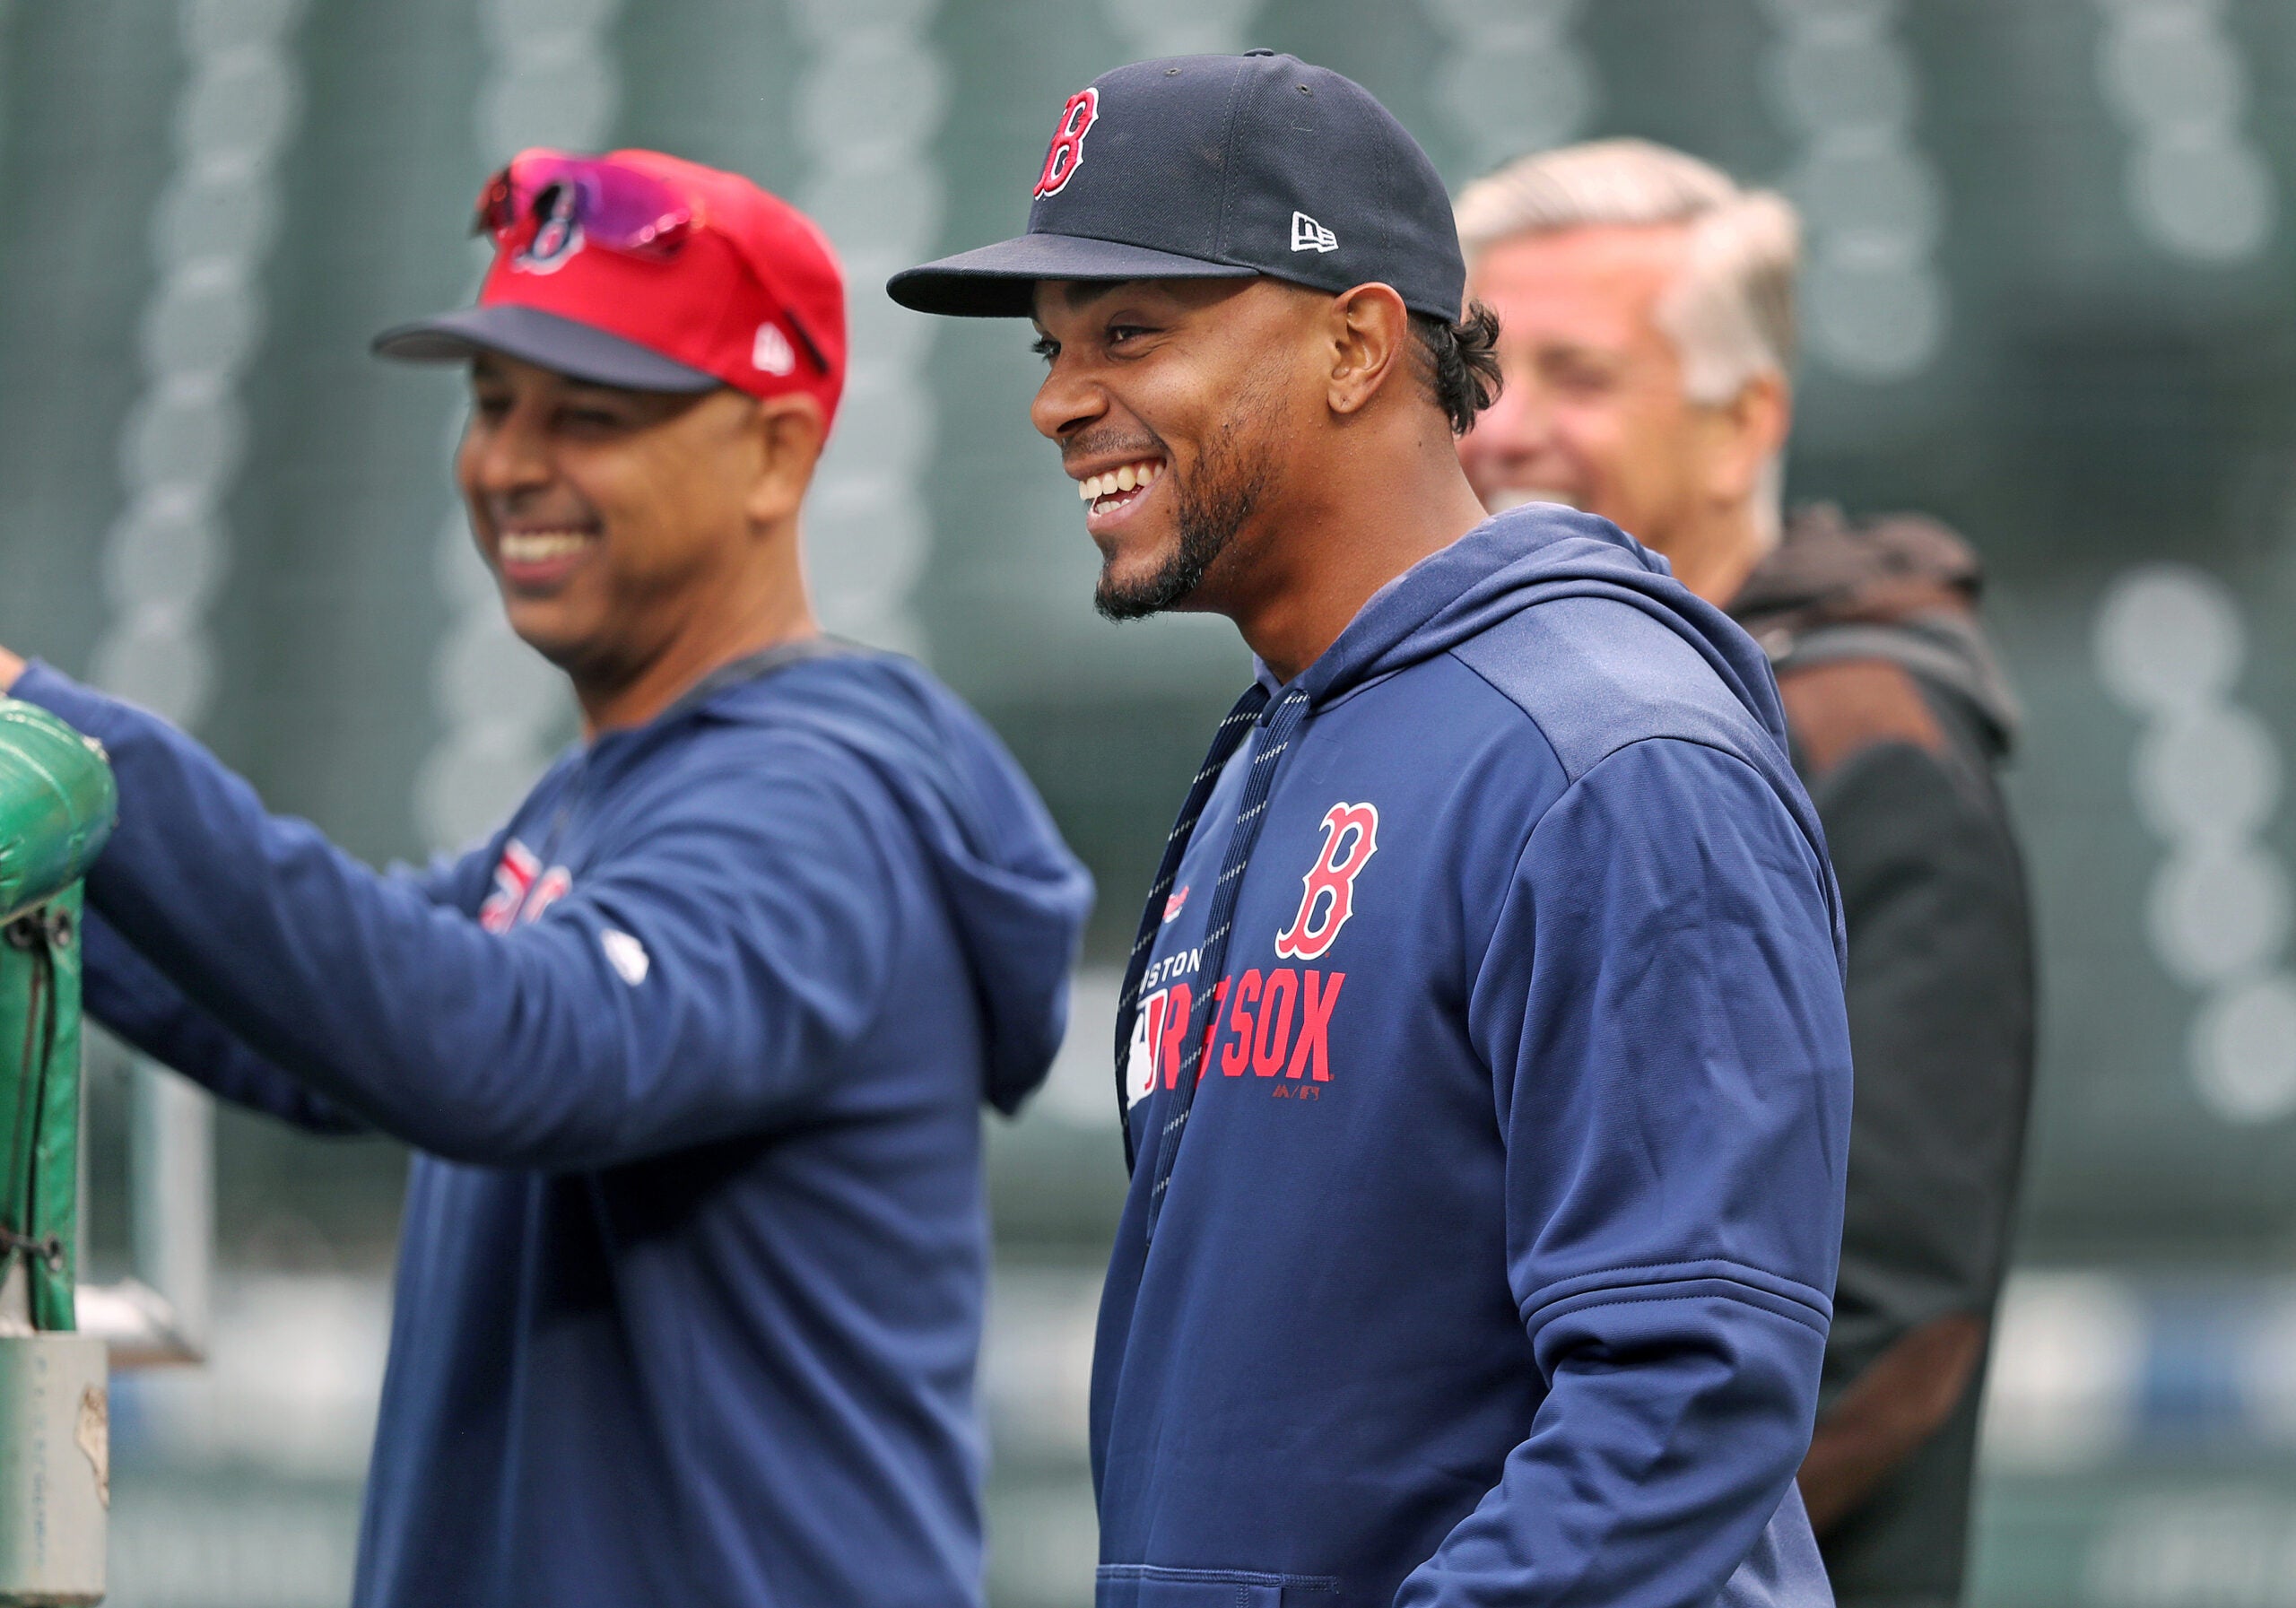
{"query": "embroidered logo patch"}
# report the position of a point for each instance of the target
(1351, 837)
(557, 235)
(523, 890)
(1308, 235)
(771, 353)
(1066, 153)
(626, 955)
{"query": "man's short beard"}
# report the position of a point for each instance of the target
(1210, 507)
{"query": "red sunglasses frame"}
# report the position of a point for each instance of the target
(617, 207)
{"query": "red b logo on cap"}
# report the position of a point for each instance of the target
(1067, 153)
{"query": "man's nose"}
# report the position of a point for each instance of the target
(510, 455)
(1522, 411)
(1517, 425)
(1066, 403)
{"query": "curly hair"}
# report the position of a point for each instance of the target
(1461, 363)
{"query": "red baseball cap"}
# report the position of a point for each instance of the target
(640, 270)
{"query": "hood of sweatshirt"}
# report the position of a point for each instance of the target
(1901, 587)
(1536, 553)
(1018, 896)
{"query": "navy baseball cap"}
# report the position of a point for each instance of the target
(1218, 166)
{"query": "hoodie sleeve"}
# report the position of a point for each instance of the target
(697, 984)
(124, 992)
(1661, 1007)
(127, 994)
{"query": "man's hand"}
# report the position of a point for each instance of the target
(1900, 1401)
(10, 667)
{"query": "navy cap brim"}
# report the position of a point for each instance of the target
(577, 351)
(1000, 281)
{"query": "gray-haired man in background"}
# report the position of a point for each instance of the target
(1647, 329)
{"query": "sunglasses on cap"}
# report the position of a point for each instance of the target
(618, 208)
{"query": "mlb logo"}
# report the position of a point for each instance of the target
(1140, 1056)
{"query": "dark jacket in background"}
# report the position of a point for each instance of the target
(1899, 716)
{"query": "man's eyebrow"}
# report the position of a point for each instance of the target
(1574, 346)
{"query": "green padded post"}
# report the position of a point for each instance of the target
(57, 804)
(40, 1099)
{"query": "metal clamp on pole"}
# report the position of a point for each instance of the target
(58, 805)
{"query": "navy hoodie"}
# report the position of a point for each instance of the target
(1492, 1262)
(691, 1282)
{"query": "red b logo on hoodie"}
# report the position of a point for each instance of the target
(1351, 837)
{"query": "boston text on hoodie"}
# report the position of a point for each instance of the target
(1491, 1261)
(691, 1282)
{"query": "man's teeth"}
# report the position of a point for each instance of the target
(1132, 477)
(539, 546)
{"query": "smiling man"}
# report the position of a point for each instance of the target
(1482, 1054)
(1649, 308)
(693, 1048)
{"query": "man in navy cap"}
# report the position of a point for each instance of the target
(1483, 1055)
(693, 1048)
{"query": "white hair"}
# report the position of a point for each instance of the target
(1731, 313)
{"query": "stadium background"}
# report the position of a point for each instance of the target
(2048, 300)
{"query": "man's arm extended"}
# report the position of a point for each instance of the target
(761, 928)
(1661, 1006)
(127, 994)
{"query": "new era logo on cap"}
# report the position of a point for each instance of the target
(1308, 235)
(771, 353)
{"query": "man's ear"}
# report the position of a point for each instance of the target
(1755, 423)
(790, 430)
(1370, 338)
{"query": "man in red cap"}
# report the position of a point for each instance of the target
(693, 1048)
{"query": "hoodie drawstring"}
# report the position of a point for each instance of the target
(1224, 742)
(1277, 724)
(1199, 792)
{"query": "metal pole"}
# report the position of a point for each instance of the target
(171, 1186)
